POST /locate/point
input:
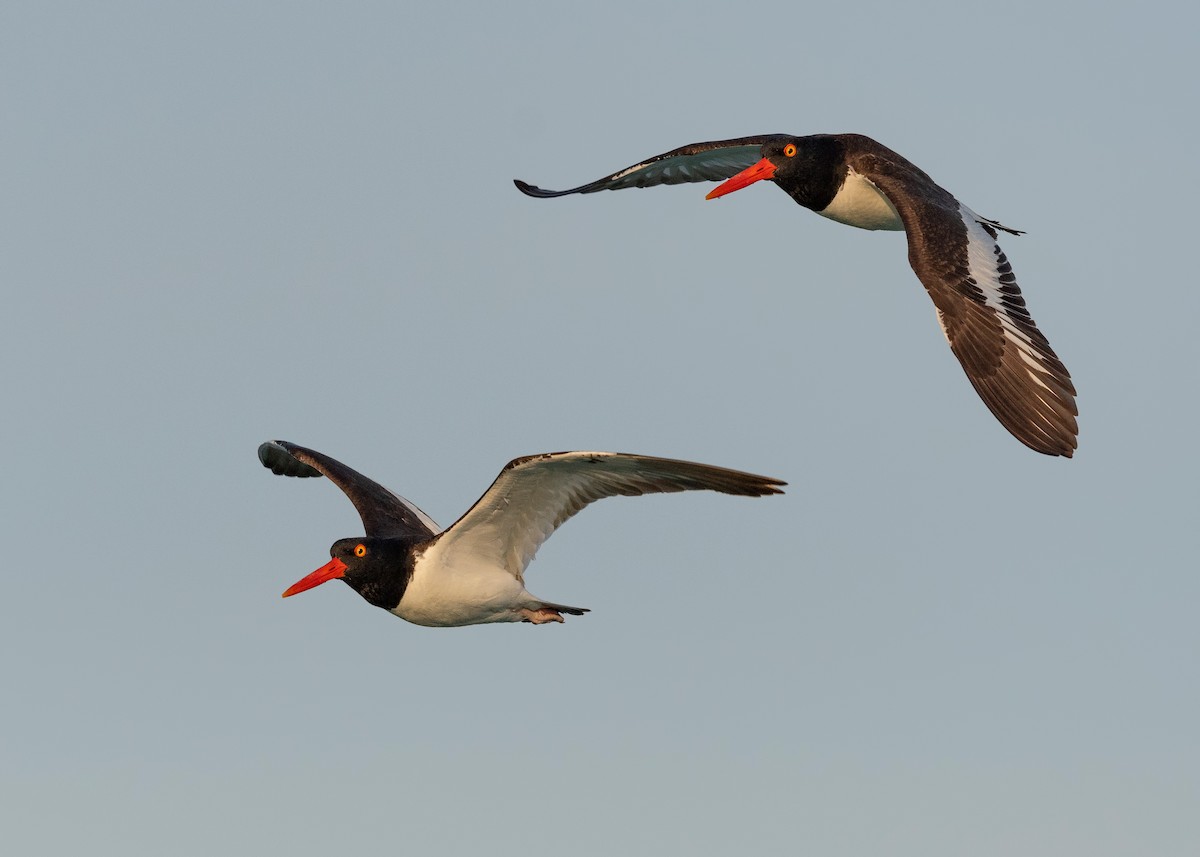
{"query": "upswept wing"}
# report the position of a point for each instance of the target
(384, 514)
(982, 312)
(533, 496)
(699, 162)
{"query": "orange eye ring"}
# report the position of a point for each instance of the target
(360, 550)
(789, 151)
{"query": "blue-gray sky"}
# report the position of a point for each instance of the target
(228, 222)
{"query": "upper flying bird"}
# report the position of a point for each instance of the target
(473, 572)
(854, 180)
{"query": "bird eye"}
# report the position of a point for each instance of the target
(789, 151)
(360, 550)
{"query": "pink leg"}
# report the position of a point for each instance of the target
(541, 615)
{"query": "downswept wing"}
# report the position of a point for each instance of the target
(384, 514)
(699, 162)
(982, 312)
(535, 495)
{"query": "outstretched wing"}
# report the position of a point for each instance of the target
(384, 514)
(534, 495)
(981, 310)
(699, 162)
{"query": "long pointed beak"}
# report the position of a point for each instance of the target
(764, 169)
(333, 568)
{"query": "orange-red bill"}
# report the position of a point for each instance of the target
(330, 570)
(764, 169)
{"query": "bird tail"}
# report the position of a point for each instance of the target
(562, 608)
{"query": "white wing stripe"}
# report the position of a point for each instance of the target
(412, 507)
(624, 173)
(533, 496)
(982, 253)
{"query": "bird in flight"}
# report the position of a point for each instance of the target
(474, 571)
(855, 180)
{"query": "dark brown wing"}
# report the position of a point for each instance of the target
(980, 307)
(384, 514)
(699, 162)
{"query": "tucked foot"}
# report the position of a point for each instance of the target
(541, 615)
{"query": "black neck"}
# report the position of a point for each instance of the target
(383, 579)
(815, 175)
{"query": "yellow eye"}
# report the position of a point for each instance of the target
(789, 151)
(360, 550)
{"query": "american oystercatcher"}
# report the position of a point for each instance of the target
(854, 180)
(473, 572)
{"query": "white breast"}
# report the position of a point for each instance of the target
(860, 203)
(464, 593)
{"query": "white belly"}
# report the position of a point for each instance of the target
(440, 594)
(860, 203)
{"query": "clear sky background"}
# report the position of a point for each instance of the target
(225, 222)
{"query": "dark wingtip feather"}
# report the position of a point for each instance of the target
(537, 192)
(541, 193)
(764, 489)
(275, 456)
(1046, 442)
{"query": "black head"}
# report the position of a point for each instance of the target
(810, 169)
(377, 569)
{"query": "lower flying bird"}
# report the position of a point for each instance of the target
(473, 572)
(854, 180)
